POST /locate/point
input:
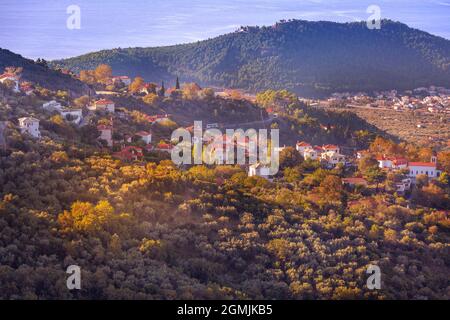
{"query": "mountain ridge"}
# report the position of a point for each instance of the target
(40, 74)
(307, 57)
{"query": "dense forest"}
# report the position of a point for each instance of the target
(150, 230)
(309, 58)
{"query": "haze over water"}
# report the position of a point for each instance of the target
(37, 28)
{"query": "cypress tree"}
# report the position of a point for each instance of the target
(162, 92)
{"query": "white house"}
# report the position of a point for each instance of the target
(11, 77)
(333, 158)
(258, 169)
(311, 153)
(427, 168)
(392, 162)
(403, 186)
(105, 134)
(30, 125)
(302, 146)
(52, 106)
(103, 105)
(331, 147)
(145, 136)
(72, 115)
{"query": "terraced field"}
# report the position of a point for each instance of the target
(413, 126)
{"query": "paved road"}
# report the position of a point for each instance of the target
(236, 125)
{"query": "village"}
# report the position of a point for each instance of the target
(432, 100)
(132, 146)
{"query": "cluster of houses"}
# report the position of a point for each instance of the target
(30, 125)
(412, 168)
(432, 104)
(328, 154)
(157, 118)
(432, 99)
(103, 105)
(18, 86)
(134, 153)
(131, 152)
(74, 115)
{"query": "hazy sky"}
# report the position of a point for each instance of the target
(37, 28)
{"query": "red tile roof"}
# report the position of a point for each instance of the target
(399, 161)
(8, 75)
(143, 133)
(103, 102)
(164, 146)
(330, 147)
(129, 153)
(156, 117)
(421, 164)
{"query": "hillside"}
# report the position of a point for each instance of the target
(310, 58)
(40, 74)
(148, 229)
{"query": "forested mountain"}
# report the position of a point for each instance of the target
(40, 73)
(309, 58)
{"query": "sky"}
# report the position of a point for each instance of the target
(38, 28)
